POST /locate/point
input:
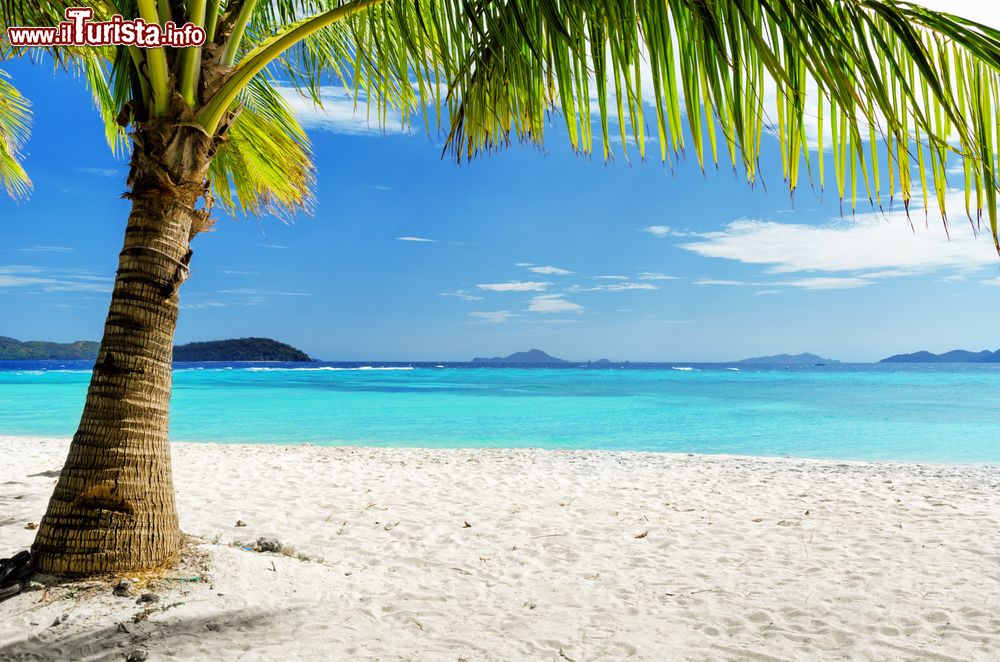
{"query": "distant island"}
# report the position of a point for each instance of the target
(790, 359)
(239, 349)
(236, 349)
(531, 356)
(954, 356)
(38, 350)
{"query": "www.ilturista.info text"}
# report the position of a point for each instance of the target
(79, 30)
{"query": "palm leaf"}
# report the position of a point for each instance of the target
(264, 166)
(15, 126)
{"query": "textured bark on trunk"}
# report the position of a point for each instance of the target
(113, 506)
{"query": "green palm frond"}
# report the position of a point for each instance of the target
(15, 126)
(265, 164)
(896, 85)
(895, 91)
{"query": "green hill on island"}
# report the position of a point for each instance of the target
(234, 349)
(531, 356)
(789, 359)
(38, 350)
(239, 349)
(954, 356)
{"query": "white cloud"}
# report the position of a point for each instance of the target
(657, 230)
(617, 287)
(515, 286)
(53, 280)
(766, 292)
(548, 271)
(254, 292)
(44, 249)
(463, 295)
(497, 316)
(236, 272)
(656, 275)
(611, 277)
(715, 281)
(339, 113)
(885, 244)
(275, 246)
(254, 301)
(418, 239)
(103, 172)
(829, 283)
(553, 303)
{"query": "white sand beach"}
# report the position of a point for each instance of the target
(411, 554)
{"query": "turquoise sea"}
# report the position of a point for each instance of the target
(925, 413)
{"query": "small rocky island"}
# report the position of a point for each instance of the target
(234, 349)
(790, 359)
(535, 356)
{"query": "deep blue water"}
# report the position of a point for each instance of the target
(928, 413)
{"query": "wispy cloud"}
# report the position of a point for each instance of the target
(611, 277)
(463, 295)
(53, 280)
(655, 275)
(553, 303)
(423, 240)
(103, 172)
(496, 316)
(44, 249)
(657, 230)
(255, 292)
(767, 292)
(515, 286)
(616, 287)
(704, 282)
(546, 270)
(339, 113)
(829, 283)
(214, 303)
(236, 272)
(275, 246)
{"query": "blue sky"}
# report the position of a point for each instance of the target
(517, 250)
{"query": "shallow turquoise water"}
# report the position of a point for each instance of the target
(908, 413)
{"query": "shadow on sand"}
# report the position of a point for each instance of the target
(220, 635)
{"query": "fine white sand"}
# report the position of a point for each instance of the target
(566, 556)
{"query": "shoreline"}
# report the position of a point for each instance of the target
(558, 451)
(497, 554)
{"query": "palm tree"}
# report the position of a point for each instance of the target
(208, 127)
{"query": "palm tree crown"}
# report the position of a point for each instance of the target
(879, 76)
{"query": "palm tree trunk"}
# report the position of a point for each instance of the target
(113, 506)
